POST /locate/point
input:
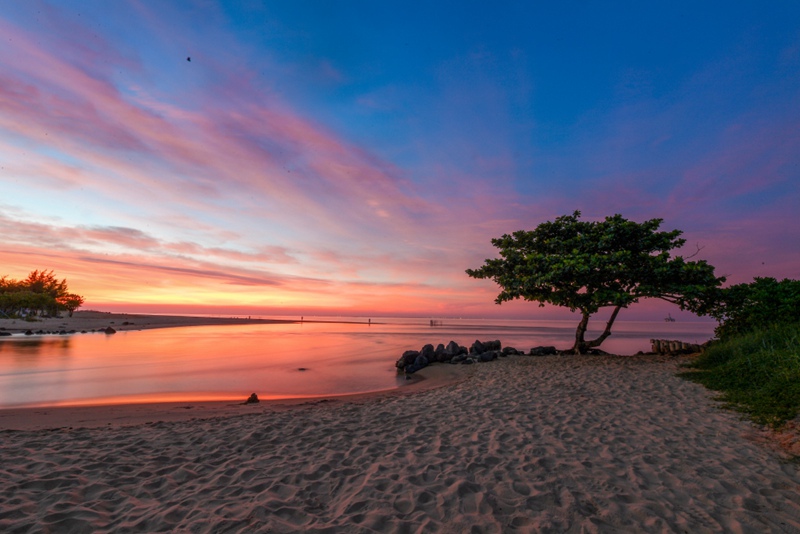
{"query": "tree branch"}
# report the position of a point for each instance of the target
(696, 252)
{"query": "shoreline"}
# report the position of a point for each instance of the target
(60, 417)
(522, 444)
(93, 320)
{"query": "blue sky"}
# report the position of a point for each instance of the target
(358, 156)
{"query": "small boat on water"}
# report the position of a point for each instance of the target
(669, 319)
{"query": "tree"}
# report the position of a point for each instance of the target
(40, 292)
(586, 266)
(46, 282)
(70, 302)
(743, 308)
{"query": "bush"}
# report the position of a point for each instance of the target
(757, 373)
(746, 307)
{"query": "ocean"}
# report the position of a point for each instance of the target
(319, 357)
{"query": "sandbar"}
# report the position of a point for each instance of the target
(94, 320)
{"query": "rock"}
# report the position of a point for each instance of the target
(407, 358)
(452, 348)
(109, 330)
(543, 351)
(252, 399)
(302, 368)
(428, 352)
(441, 355)
(5, 333)
(488, 356)
(418, 364)
(510, 351)
(458, 358)
(468, 361)
(28, 332)
(492, 345)
(477, 348)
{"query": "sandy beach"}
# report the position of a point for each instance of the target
(523, 444)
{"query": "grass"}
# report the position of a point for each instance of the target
(757, 374)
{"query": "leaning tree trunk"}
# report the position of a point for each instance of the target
(581, 345)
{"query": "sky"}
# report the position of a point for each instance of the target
(354, 158)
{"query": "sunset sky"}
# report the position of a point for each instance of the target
(356, 157)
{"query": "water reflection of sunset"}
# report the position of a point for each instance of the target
(230, 362)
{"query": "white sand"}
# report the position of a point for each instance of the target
(524, 444)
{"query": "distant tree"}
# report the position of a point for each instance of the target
(46, 282)
(742, 308)
(70, 302)
(586, 266)
(40, 293)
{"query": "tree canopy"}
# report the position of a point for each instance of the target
(585, 266)
(41, 293)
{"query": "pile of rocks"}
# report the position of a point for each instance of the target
(40, 332)
(481, 351)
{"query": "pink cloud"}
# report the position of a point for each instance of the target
(274, 165)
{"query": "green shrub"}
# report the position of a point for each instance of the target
(757, 373)
(764, 302)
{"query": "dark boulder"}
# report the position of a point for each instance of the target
(477, 348)
(510, 351)
(418, 364)
(543, 351)
(492, 345)
(440, 354)
(428, 351)
(451, 349)
(110, 330)
(28, 332)
(252, 399)
(5, 333)
(488, 356)
(407, 358)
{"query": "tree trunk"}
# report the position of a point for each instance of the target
(581, 345)
(607, 332)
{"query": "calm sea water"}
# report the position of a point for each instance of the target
(230, 362)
